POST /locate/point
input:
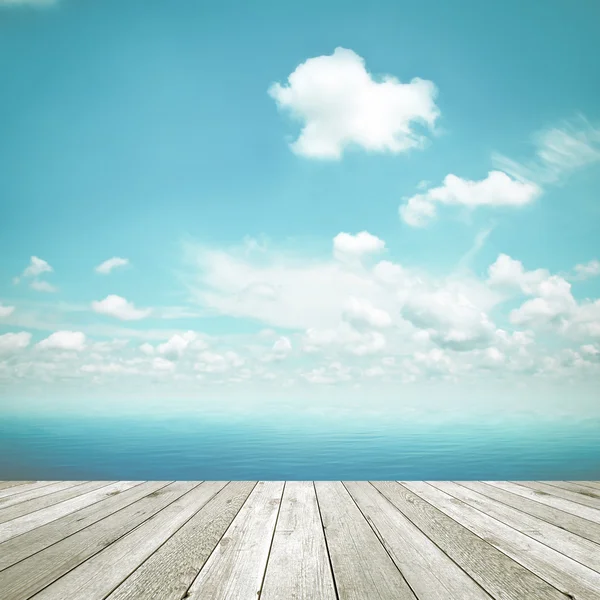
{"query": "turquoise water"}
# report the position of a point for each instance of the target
(196, 448)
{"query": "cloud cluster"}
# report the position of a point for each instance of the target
(340, 105)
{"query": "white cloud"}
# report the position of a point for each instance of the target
(361, 312)
(63, 340)
(120, 308)
(587, 270)
(177, 344)
(42, 286)
(13, 342)
(559, 151)
(506, 272)
(163, 365)
(348, 246)
(497, 189)
(147, 349)
(212, 362)
(282, 346)
(36, 267)
(341, 105)
(112, 263)
(6, 311)
(344, 338)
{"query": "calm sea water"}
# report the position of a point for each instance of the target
(199, 448)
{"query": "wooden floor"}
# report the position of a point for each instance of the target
(274, 540)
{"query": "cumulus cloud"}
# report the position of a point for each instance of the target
(340, 105)
(213, 362)
(349, 246)
(497, 189)
(587, 270)
(13, 342)
(63, 340)
(177, 344)
(120, 308)
(361, 312)
(162, 364)
(6, 311)
(42, 286)
(37, 266)
(112, 263)
(559, 151)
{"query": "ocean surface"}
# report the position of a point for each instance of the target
(220, 449)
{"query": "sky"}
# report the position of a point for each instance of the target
(355, 205)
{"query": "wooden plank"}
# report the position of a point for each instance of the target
(25, 523)
(564, 573)
(101, 574)
(565, 542)
(236, 567)
(499, 575)
(37, 493)
(113, 498)
(594, 485)
(577, 488)
(574, 508)
(35, 504)
(361, 566)
(574, 524)
(431, 574)
(9, 484)
(34, 485)
(169, 572)
(298, 565)
(30, 576)
(588, 498)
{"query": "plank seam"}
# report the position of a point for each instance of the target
(335, 587)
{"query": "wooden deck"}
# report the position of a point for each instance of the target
(275, 540)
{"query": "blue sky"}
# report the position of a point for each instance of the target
(318, 200)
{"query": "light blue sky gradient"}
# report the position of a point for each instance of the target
(150, 131)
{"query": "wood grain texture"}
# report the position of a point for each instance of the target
(574, 508)
(565, 542)
(37, 493)
(590, 500)
(567, 521)
(579, 488)
(112, 499)
(298, 564)
(499, 575)
(236, 567)
(590, 484)
(35, 504)
(25, 488)
(22, 580)
(564, 573)
(431, 574)
(9, 484)
(169, 572)
(102, 573)
(362, 568)
(25, 523)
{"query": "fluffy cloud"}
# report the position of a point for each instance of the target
(497, 189)
(5, 311)
(340, 105)
(213, 362)
(37, 266)
(112, 263)
(348, 246)
(587, 270)
(177, 344)
(344, 338)
(362, 312)
(13, 342)
(64, 340)
(120, 308)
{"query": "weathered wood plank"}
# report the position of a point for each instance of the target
(565, 574)
(564, 520)
(499, 575)
(577, 488)
(28, 577)
(169, 572)
(585, 512)
(431, 574)
(298, 565)
(22, 489)
(589, 499)
(35, 504)
(361, 566)
(8, 484)
(37, 493)
(25, 523)
(595, 485)
(112, 499)
(236, 567)
(565, 542)
(101, 574)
